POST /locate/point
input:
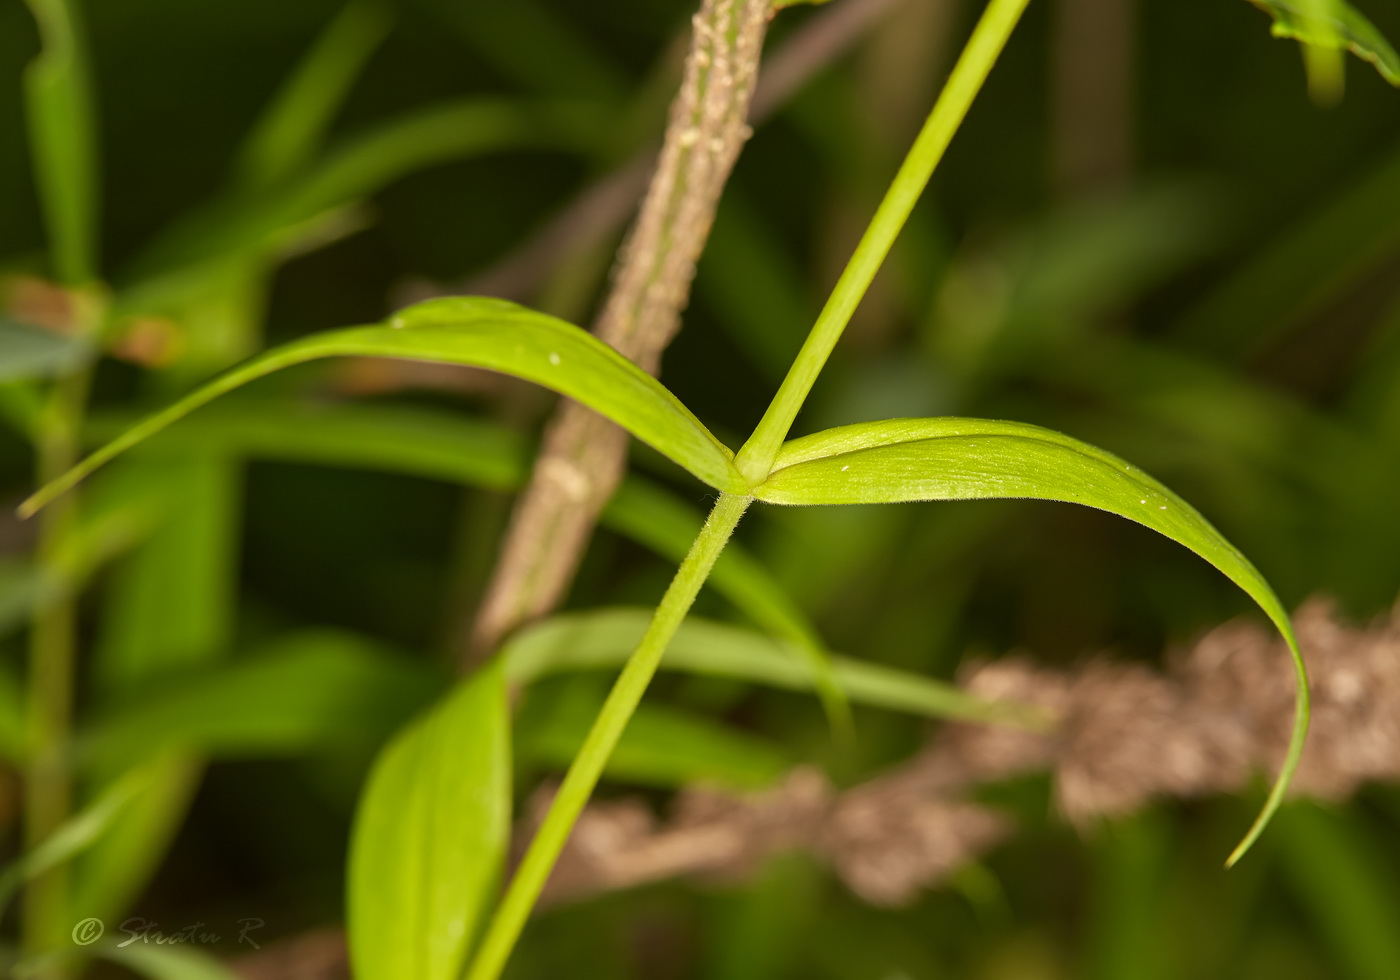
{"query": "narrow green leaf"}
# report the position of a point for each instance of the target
(662, 745)
(294, 124)
(1345, 28)
(483, 333)
(964, 459)
(416, 441)
(63, 140)
(430, 837)
(76, 834)
(605, 638)
(240, 226)
(111, 874)
(305, 690)
(177, 962)
(447, 446)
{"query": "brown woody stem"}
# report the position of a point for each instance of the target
(583, 455)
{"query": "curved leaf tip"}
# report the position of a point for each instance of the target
(959, 459)
(1302, 708)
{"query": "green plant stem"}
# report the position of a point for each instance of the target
(755, 459)
(755, 462)
(587, 766)
(63, 147)
(52, 647)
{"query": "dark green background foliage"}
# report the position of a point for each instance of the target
(1224, 310)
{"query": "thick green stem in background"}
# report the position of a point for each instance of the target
(52, 650)
(755, 460)
(60, 124)
(59, 110)
(587, 767)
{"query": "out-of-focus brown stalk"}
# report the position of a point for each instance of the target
(582, 458)
(1127, 736)
(53, 648)
(1092, 94)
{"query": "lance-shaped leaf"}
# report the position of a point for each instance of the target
(179, 962)
(484, 333)
(604, 638)
(249, 223)
(964, 459)
(75, 834)
(294, 124)
(430, 837)
(663, 745)
(1343, 27)
(446, 445)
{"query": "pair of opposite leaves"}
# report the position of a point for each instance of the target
(874, 462)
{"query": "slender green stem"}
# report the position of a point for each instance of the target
(587, 766)
(755, 459)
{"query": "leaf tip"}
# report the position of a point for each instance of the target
(47, 493)
(1302, 712)
(30, 505)
(1241, 849)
